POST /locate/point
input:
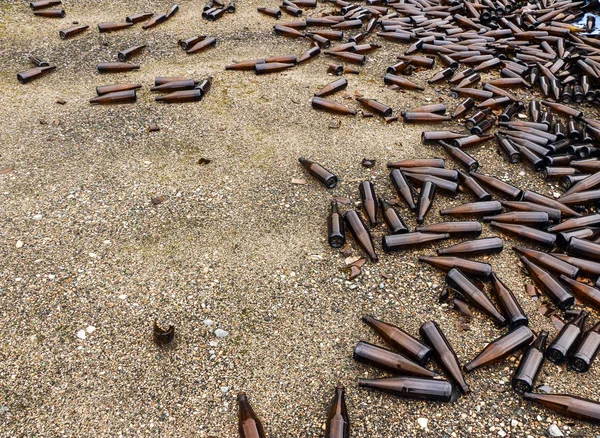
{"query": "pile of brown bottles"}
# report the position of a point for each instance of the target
(40, 68)
(215, 9)
(180, 90)
(47, 9)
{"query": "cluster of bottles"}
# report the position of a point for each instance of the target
(46, 8)
(177, 89)
(215, 9)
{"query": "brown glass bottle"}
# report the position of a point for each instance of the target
(331, 106)
(500, 348)
(403, 187)
(447, 186)
(309, 54)
(111, 27)
(554, 215)
(272, 12)
(473, 209)
(527, 233)
(586, 267)
(525, 376)
(566, 340)
(536, 198)
(470, 163)
(413, 117)
(548, 262)
(583, 292)
(468, 267)
(443, 353)
(449, 174)
(376, 107)
(248, 424)
(369, 201)
(201, 46)
(580, 247)
(459, 281)
(582, 357)
(50, 13)
(38, 62)
(400, 340)
(392, 219)
(471, 140)
(34, 73)
(585, 184)
(184, 96)
(463, 107)
(535, 218)
(105, 89)
(324, 176)
(398, 242)
(455, 229)
(361, 233)
(124, 55)
(473, 248)
(512, 310)
(549, 285)
(412, 388)
(115, 67)
(508, 191)
(336, 235)
(568, 405)
(155, 21)
(473, 186)
(138, 18)
(389, 361)
(425, 200)
(338, 421)
(563, 109)
(418, 162)
(115, 97)
(44, 4)
(509, 148)
(390, 79)
(332, 87)
(169, 87)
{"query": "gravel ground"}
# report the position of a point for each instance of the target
(85, 253)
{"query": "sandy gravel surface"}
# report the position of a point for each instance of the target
(235, 242)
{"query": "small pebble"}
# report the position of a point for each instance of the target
(554, 430)
(219, 333)
(37, 217)
(81, 334)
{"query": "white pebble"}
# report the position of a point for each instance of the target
(92, 255)
(208, 322)
(422, 422)
(81, 334)
(19, 244)
(37, 217)
(90, 329)
(219, 333)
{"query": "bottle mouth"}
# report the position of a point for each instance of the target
(521, 387)
(555, 356)
(579, 365)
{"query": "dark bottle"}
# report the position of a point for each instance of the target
(473, 248)
(509, 112)
(482, 127)
(338, 421)
(443, 353)
(200, 46)
(473, 209)
(461, 75)
(332, 87)
(473, 93)
(105, 89)
(124, 55)
(566, 339)
(400, 340)
(398, 242)
(554, 215)
(463, 107)
(412, 388)
(397, 68)
(287, 32)
(471, 140)
(169, 87)
(324, 176)
(525, 376)
(586, 267)
(138, 18)
(548, 262)
(376, 107)
(369, 201)
(580, 247)
(159, 80)
(442, 75)
(457, 280)
(412, 117)
(361, 233)
(335, 226)
(311, 53)
(155, 21)
(272, 12)
(390, 79)
(535, 110)
(449, 174)
(162, 336)
(528, 233)
(335, 69)
(476, 118)
(115, 97)
(403, 187)
(509, 148)
(582, 357)
(353, 58)
(473, 186)
(536, 198)
(537, 218)
(34, 73)
(469, 80)
(248, 424)
(111, 27)
(184, 96)
(585, 184)
(583, 292)
(508, 191)
(503, 346)
(389, 361)
(445, 185)
(331, 106)
(392, 219)
(38, 62)
(425, 200)
(549, 285)
(590, 197)
(455, 229)
(50, 13)
(271, 67)
(418, 162)
(563, 109)
(115, 67)
(44, 4)
(568, 405)
(512, 310)
(433, 136)
(172, 11)
(469, 267)
(470, 163)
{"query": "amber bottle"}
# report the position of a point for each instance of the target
(389, 361)
(393, 220)
(567, 339)
(412, 388)
(361, 233)
(336, 235)
(525, 376)
(508, 303)
(338, 421)
(582, 357)
(403, 187)
(549, 285)
(115, 97)
(503, 346)
(331, 106)
(568, 405)
(34, 73)
(469, 267)
(425, 200)
(249, 425)
(324, 176)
